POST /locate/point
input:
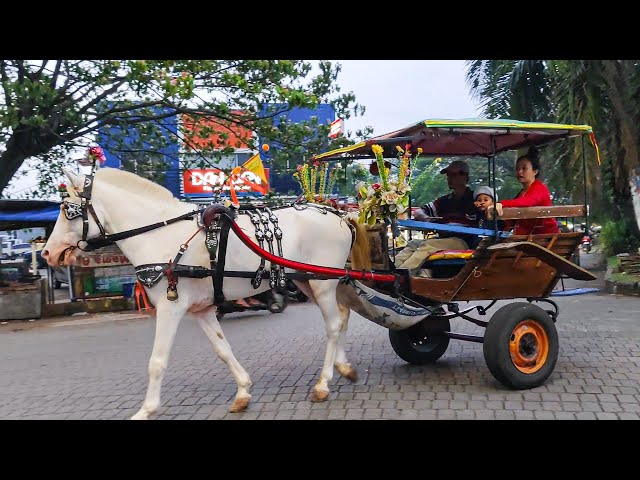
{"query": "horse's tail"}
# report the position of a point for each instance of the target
(360, 250)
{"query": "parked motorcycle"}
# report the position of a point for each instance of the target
(269, 300)
(294, 293)
(586, 244)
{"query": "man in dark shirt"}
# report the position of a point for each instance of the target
(455, 207)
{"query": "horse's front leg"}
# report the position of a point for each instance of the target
(324, 292)
(209, 323)
(168, 316)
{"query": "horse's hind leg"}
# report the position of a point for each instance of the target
(342, 364)
(168, 318)
(324, 292)
(210, 325)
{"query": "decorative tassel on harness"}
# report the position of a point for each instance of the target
(172, 278)
(172, 288)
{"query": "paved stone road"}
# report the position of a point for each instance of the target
(96, 368)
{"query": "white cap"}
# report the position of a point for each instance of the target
(486, 190)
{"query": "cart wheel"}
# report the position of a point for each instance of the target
(521, 345)
(421, 343)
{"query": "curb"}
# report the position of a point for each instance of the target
(619, 288)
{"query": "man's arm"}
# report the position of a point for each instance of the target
(431, 209)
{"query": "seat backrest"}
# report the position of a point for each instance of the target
(553, 211)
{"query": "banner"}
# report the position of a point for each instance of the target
(254, 164)
(202, 182)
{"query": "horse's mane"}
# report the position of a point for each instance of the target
(133, 183)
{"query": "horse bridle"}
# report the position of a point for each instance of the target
(73, 210)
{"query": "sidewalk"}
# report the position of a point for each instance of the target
(71, 320)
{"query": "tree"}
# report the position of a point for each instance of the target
(49, 108)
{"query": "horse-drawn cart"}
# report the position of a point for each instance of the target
(310, 244)
(520, 343)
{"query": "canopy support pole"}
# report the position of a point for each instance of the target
(584, 175)
(492, 182)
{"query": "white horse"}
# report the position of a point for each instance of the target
(124, 201)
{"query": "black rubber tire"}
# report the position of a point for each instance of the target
(275, 307)
(301, 297)
(406, 343)
(496, 345)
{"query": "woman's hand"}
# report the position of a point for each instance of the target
(499, 209)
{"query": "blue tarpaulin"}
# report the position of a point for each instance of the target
(17, 214)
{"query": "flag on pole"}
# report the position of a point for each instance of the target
(254, 164)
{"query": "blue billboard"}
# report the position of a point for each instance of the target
(283, 182)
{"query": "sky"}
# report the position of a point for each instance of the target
(395, 93)
(398, 93)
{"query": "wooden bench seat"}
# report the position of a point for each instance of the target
(516, 270)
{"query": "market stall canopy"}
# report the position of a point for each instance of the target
(17, 214)
(468, 137)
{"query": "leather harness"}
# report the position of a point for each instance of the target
(216, 221)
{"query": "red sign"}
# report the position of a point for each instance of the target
(105, 257)
(202, 132)
(205, 181)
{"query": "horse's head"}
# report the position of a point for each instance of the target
(61, 247)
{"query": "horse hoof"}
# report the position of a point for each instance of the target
(347, 371)
(140, 416)
(319, 395)
(239, 405)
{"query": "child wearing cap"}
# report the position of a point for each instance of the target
(483, 198)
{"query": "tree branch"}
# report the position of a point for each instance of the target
(56, 72)
(5, 83)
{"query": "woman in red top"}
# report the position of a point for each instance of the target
(534, 193)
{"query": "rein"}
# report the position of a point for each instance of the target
(107, 239)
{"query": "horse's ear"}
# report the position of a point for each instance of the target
(73, 178)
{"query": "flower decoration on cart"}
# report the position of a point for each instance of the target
(316, 182)
(390, 197)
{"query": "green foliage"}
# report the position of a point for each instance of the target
(49, 108)
(426, 182)
(618, 237)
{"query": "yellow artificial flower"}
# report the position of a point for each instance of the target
(377, 150)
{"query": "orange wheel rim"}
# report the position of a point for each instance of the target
(529, 346)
